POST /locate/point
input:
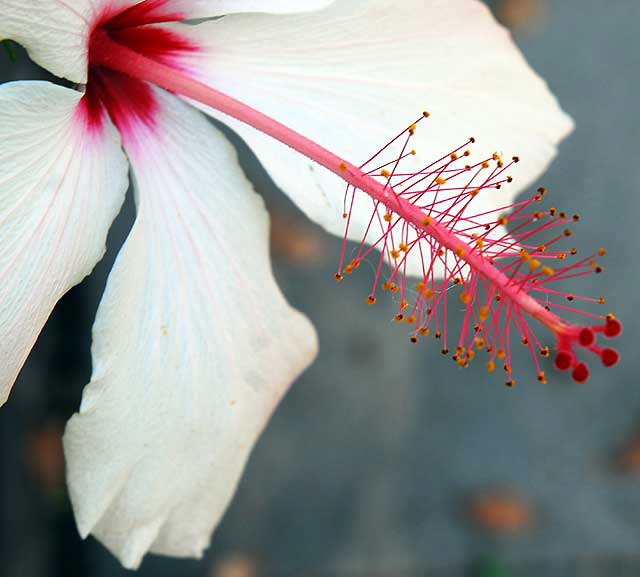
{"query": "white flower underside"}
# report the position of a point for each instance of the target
(194, 344)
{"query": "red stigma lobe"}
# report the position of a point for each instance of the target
(502, 274)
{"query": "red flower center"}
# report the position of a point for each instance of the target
(128, 101)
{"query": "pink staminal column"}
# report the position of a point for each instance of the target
(503, 279)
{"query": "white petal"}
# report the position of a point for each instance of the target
(60, 189)
(355, 74)
(210, 8)
(194, 345)
(55, 32)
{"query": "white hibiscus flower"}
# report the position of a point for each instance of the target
(194, 344)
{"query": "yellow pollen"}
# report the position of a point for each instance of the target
(371, 300)
(474, 192)
(338, 277)
(459, 252)
(500, 354)
(411, 319)
(547, 270)
(484, 313)
(426, 114)
(395, 254)
(602, 251)
(387, 217)
(441, 180)
(413, 152)
(384, 172)
(420, 286)
(491, 366)
(343, 167)
(424, 331)
(399, 318)
(428, 293)
(480, 243)
(426, 221)
(485, 164)
(465, 298)
(403, 247)
(479, 343)
(534, 264)
(502, 221)
(403, 304)
(453, 156)
(524, 255)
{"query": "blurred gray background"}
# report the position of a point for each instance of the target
(386, 459)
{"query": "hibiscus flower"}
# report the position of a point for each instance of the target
(194, 344)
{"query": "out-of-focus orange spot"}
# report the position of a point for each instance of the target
(527, 14)
(629, 457)
(297, 242)
(47, 458)
(504, 513)
(236, 566)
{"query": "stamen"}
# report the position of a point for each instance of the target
(502, 278)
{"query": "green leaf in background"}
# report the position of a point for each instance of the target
(9, 49)
(488, 566)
